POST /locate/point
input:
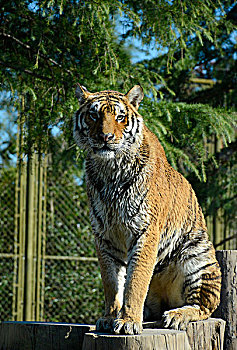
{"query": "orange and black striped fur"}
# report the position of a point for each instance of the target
(151, 238)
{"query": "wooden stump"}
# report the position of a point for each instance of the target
(150, 339)
(227, 309)
(201, 335)
(42, 336)
(208, 334)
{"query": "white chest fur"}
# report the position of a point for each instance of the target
(117, 197)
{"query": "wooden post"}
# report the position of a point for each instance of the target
(30, 240)
(227, 309)
(20, 222)
(201, 335)
(150, 339)
(39, 238)
(207, 334)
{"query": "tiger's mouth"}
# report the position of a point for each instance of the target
(104, 151)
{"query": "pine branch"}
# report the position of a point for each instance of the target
(206, 95)
(27, 71)
(29, 48)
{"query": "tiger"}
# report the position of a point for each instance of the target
(155, 257)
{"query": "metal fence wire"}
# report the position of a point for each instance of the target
(73, 289)
(49, 268)
(7, 205)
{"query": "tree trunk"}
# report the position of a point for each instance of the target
(227, 309)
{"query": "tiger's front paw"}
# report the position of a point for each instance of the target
(105, 324)
(126, 326)
(175, 319)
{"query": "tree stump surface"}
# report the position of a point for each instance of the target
(201, 335)
(157, 339)
(227, 309)
(207, 334)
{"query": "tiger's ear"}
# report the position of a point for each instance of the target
(81, 93)
(135, 95)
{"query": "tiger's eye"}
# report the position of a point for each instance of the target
(120, 118)
(93, 116)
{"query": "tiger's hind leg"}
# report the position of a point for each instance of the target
(201, 287)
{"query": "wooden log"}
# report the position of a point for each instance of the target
(227, 309)
(201, 335)
(42, 336)
(207, 334)
(150, 339)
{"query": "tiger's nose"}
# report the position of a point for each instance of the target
(107, 137)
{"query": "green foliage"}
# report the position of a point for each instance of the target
(185, 129)
(172, 23)
(219, 191)
(58, 43)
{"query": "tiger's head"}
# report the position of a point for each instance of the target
(107, 123)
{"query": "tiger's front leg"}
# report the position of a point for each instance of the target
(113, 272)
(139, 272)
